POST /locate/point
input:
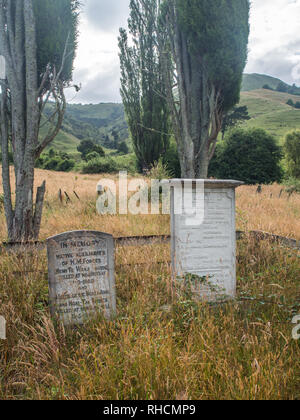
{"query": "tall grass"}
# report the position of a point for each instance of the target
(266, 211)
(161, 344)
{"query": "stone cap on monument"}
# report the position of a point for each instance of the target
(208, 183)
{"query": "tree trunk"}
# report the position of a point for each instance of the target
(8, 208)
(19, 48)
(195, 114)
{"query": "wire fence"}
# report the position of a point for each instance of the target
(159, 239)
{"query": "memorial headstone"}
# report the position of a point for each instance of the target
(206, 250)
(2, 328)
(81, 276)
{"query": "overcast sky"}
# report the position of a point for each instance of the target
(274, 47)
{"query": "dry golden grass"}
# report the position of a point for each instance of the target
(269, 211)
(264, 211)
(162, 344)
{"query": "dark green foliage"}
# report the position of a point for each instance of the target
(218, 32)
(252, 156)
(294, 90)
(123, 148)
(91, 156)
(292, 185)
(100, 165)
(292, 153)
(142, 85)
(282, 87)
(234, 117)
(55, 161)
(108, 142)
(116, 139)
(267, 87)
(171, 160)
(296, 105)
(285, 88)
(56, 23)
(87, 147)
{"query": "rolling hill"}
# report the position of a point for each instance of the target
(257, 81)
(267, 108)
(89, 121)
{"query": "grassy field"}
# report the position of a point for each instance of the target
(256, 81)
(267, 211)
(268, 110)
(162, 344)
(64, 142)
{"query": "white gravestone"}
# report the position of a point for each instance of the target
(206, 249)
(81, 276)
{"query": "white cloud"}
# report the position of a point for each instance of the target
(274, 46)
(97, 61)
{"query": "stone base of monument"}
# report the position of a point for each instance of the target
(81, 276)
(203, 236)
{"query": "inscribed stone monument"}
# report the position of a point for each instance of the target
(81, 276)
(205, 250)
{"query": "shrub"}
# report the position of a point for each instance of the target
(159, 170)
(293, 185)
(292, 153)
(55, 161)
(51, 164)
(123, 148)
(294, 105)
(126, 163)
(65, 165)
(87, 147)
(100, 165)
(252, 156)
(91, 156)
(267, 87)
(282, 87)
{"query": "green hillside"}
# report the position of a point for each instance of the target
(268, 110)
(65, 142)
(101, 119)
(89, 121)
(257, 81)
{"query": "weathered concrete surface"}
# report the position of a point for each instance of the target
(207, 249)
(81, 276)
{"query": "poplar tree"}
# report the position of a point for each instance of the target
(204, 52)
(38, 42)
(142, 87)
